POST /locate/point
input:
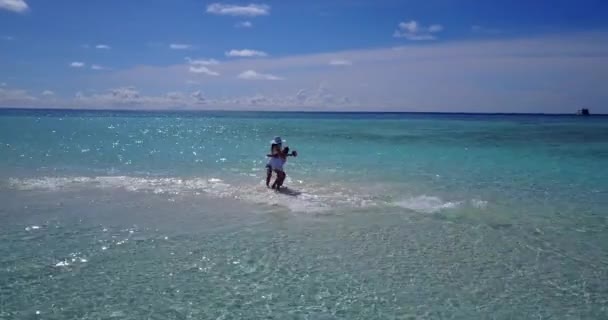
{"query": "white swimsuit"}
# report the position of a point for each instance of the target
(276, 163)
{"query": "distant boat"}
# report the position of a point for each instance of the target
(583, 112)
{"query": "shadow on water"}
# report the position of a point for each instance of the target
(289, 192)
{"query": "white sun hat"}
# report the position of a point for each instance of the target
(277, 140)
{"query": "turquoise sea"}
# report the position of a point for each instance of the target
(135, 215)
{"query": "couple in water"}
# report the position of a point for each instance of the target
(278, 156)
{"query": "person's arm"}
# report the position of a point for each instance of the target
(285, 152)
(274, 153)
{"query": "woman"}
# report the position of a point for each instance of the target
(278, 157)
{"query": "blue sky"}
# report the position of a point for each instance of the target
(434, 55)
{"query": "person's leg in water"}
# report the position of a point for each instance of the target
(283, 176)
(282, 179)
(268, 175)
(278, 182)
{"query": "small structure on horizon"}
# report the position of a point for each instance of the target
(583, 112)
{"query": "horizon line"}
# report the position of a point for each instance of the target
(2, 109)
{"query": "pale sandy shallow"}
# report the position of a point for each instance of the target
(107, 253)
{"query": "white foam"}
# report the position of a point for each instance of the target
(307, 197)
(427, 204)
(480, 204)
(64, 263)
(157, 185)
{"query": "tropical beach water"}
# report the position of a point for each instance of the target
(133, 215)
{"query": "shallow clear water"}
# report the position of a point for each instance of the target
(387, 216)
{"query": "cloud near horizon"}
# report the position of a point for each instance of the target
(18, 97)
(253, 75)
(340, 62)
(131, 98)
(558, 73)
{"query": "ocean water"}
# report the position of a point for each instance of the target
(127, 215)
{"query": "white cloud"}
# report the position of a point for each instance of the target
(15, 97)
(203, 62)
(319, 97)
(48, 93)
(174, 95)
(413, 31)
(14, 5)
(77, 64)
(246, 53)
(251, 10)
(203, 70)
(96, 67)
(118, 96)
(125, 93)
(180, 46)
(244, 24)
(198, 97)
(131, 98)
(103, 46)
(253, 75)
(340, 62)
(200, 66)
